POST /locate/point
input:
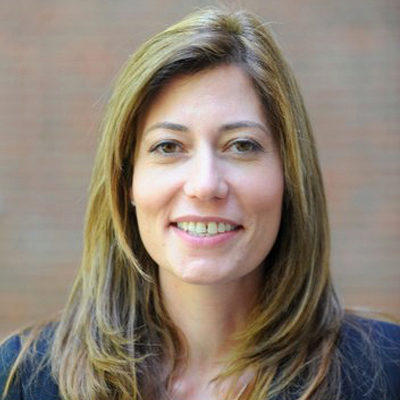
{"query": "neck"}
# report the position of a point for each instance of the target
(209, 315)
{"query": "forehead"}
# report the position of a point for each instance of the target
(216, 95)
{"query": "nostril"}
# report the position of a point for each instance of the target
(206, 189)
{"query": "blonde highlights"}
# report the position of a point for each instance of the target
(114, 337)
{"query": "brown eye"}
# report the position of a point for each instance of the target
(167, 147)
(241, 146)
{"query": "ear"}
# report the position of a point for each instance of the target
(131, 197)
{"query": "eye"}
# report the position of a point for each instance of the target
(245, 146)
(166, 147)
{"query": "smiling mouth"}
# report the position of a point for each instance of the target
(205, 229)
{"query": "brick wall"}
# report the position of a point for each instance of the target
(57, 62)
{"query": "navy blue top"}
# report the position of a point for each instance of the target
(361, 377)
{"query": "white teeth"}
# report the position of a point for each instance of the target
(205, 228)
(212, 228)
(201, 227)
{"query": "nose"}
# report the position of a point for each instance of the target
(205, 178)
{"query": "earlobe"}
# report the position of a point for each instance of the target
(131, 198)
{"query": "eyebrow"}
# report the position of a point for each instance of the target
(243, 124)
(171, 126)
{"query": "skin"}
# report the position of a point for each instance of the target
(206, 152)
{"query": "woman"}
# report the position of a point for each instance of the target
(205, 272)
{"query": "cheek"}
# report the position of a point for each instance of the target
(142, 189)
(148, 199)
(262, 189)
(273, 193)
(264, 206)
(145, 188)
(152, 192)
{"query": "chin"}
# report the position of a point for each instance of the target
(203, 272)
(200, 276)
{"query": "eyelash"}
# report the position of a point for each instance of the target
(159, 148)
(255, 146)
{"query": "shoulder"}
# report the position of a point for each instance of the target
(9, 351)
(33, 379)
(369, 351)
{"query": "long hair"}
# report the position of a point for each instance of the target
(114, 339)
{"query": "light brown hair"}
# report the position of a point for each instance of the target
(115, 333)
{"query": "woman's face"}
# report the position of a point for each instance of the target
(208, 180)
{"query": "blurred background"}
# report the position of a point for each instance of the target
(57, 62)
